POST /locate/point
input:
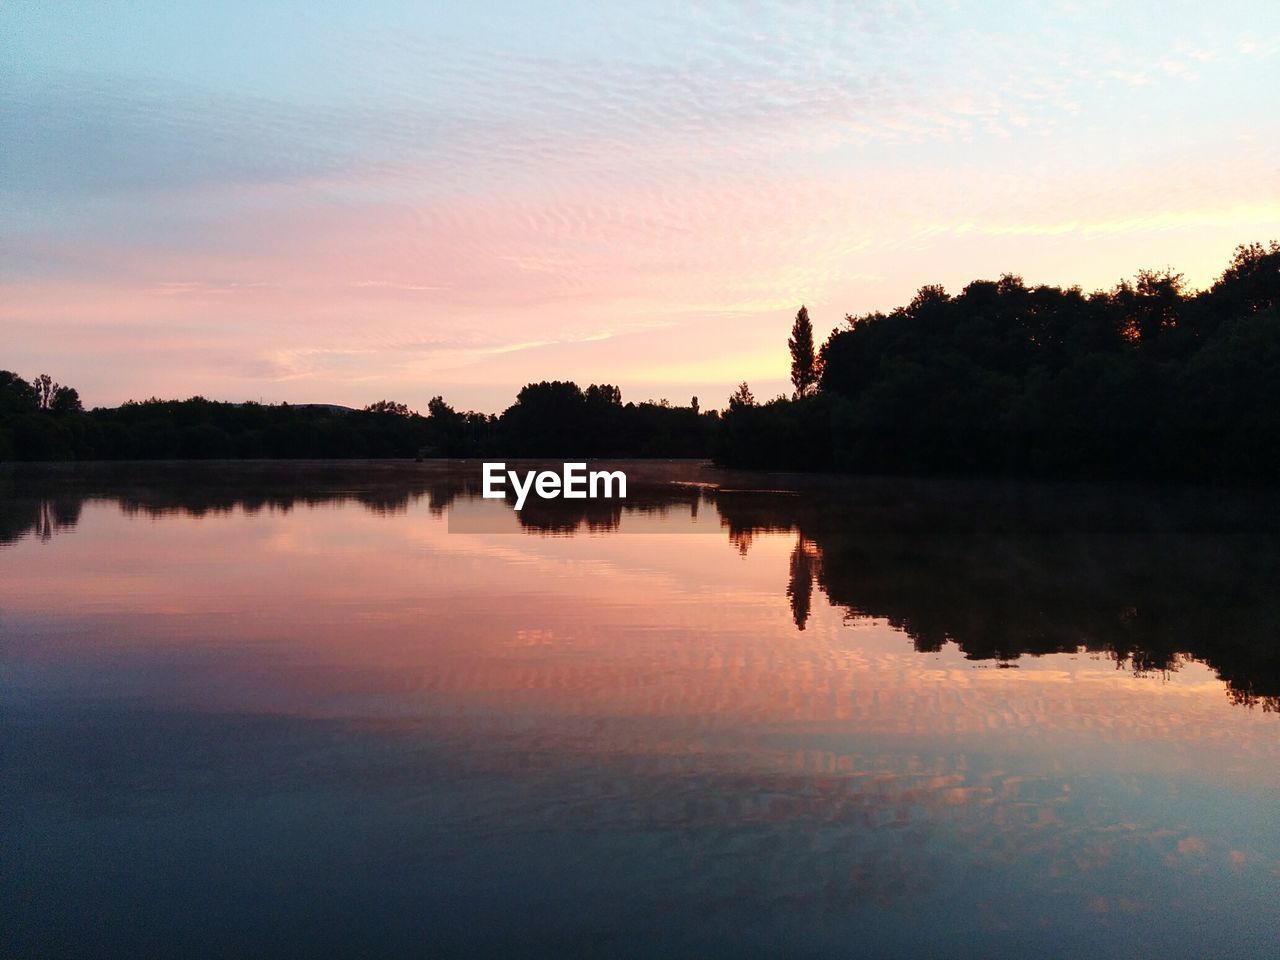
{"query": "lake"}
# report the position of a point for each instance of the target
(328, 709)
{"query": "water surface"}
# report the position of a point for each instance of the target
(340, 710)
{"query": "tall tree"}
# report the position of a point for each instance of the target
(804, 365)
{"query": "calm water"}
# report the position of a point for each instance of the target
(354, 710)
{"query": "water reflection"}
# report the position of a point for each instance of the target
(1004, 576)
(1150, 579)
(290, 695)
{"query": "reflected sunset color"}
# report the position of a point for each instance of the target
(593, 737)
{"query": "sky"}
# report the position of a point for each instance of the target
(348, 202)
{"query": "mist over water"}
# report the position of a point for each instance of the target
(323, 709)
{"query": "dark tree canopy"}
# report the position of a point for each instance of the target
(1146, 380)
(547, 419)
(391, 407)
(16, 394)
(65, 400)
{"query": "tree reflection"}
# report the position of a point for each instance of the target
(800, 586)
(40, 518)
(1149, 579)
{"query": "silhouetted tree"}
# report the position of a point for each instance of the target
(449, 428)
(16, 394)
(44, 387)
(65, 400)
(742, 397)
(436, 407)
(1150, 305)
(804, 371)
(1144, 380)
(1251, 282)
(603, 394)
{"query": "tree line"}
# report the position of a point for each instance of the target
(1147, 380)
(40, 420)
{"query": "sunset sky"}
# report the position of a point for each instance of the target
(265, 201)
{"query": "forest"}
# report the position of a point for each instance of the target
(44, 421)
(1148, 380)
(1144, 381)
